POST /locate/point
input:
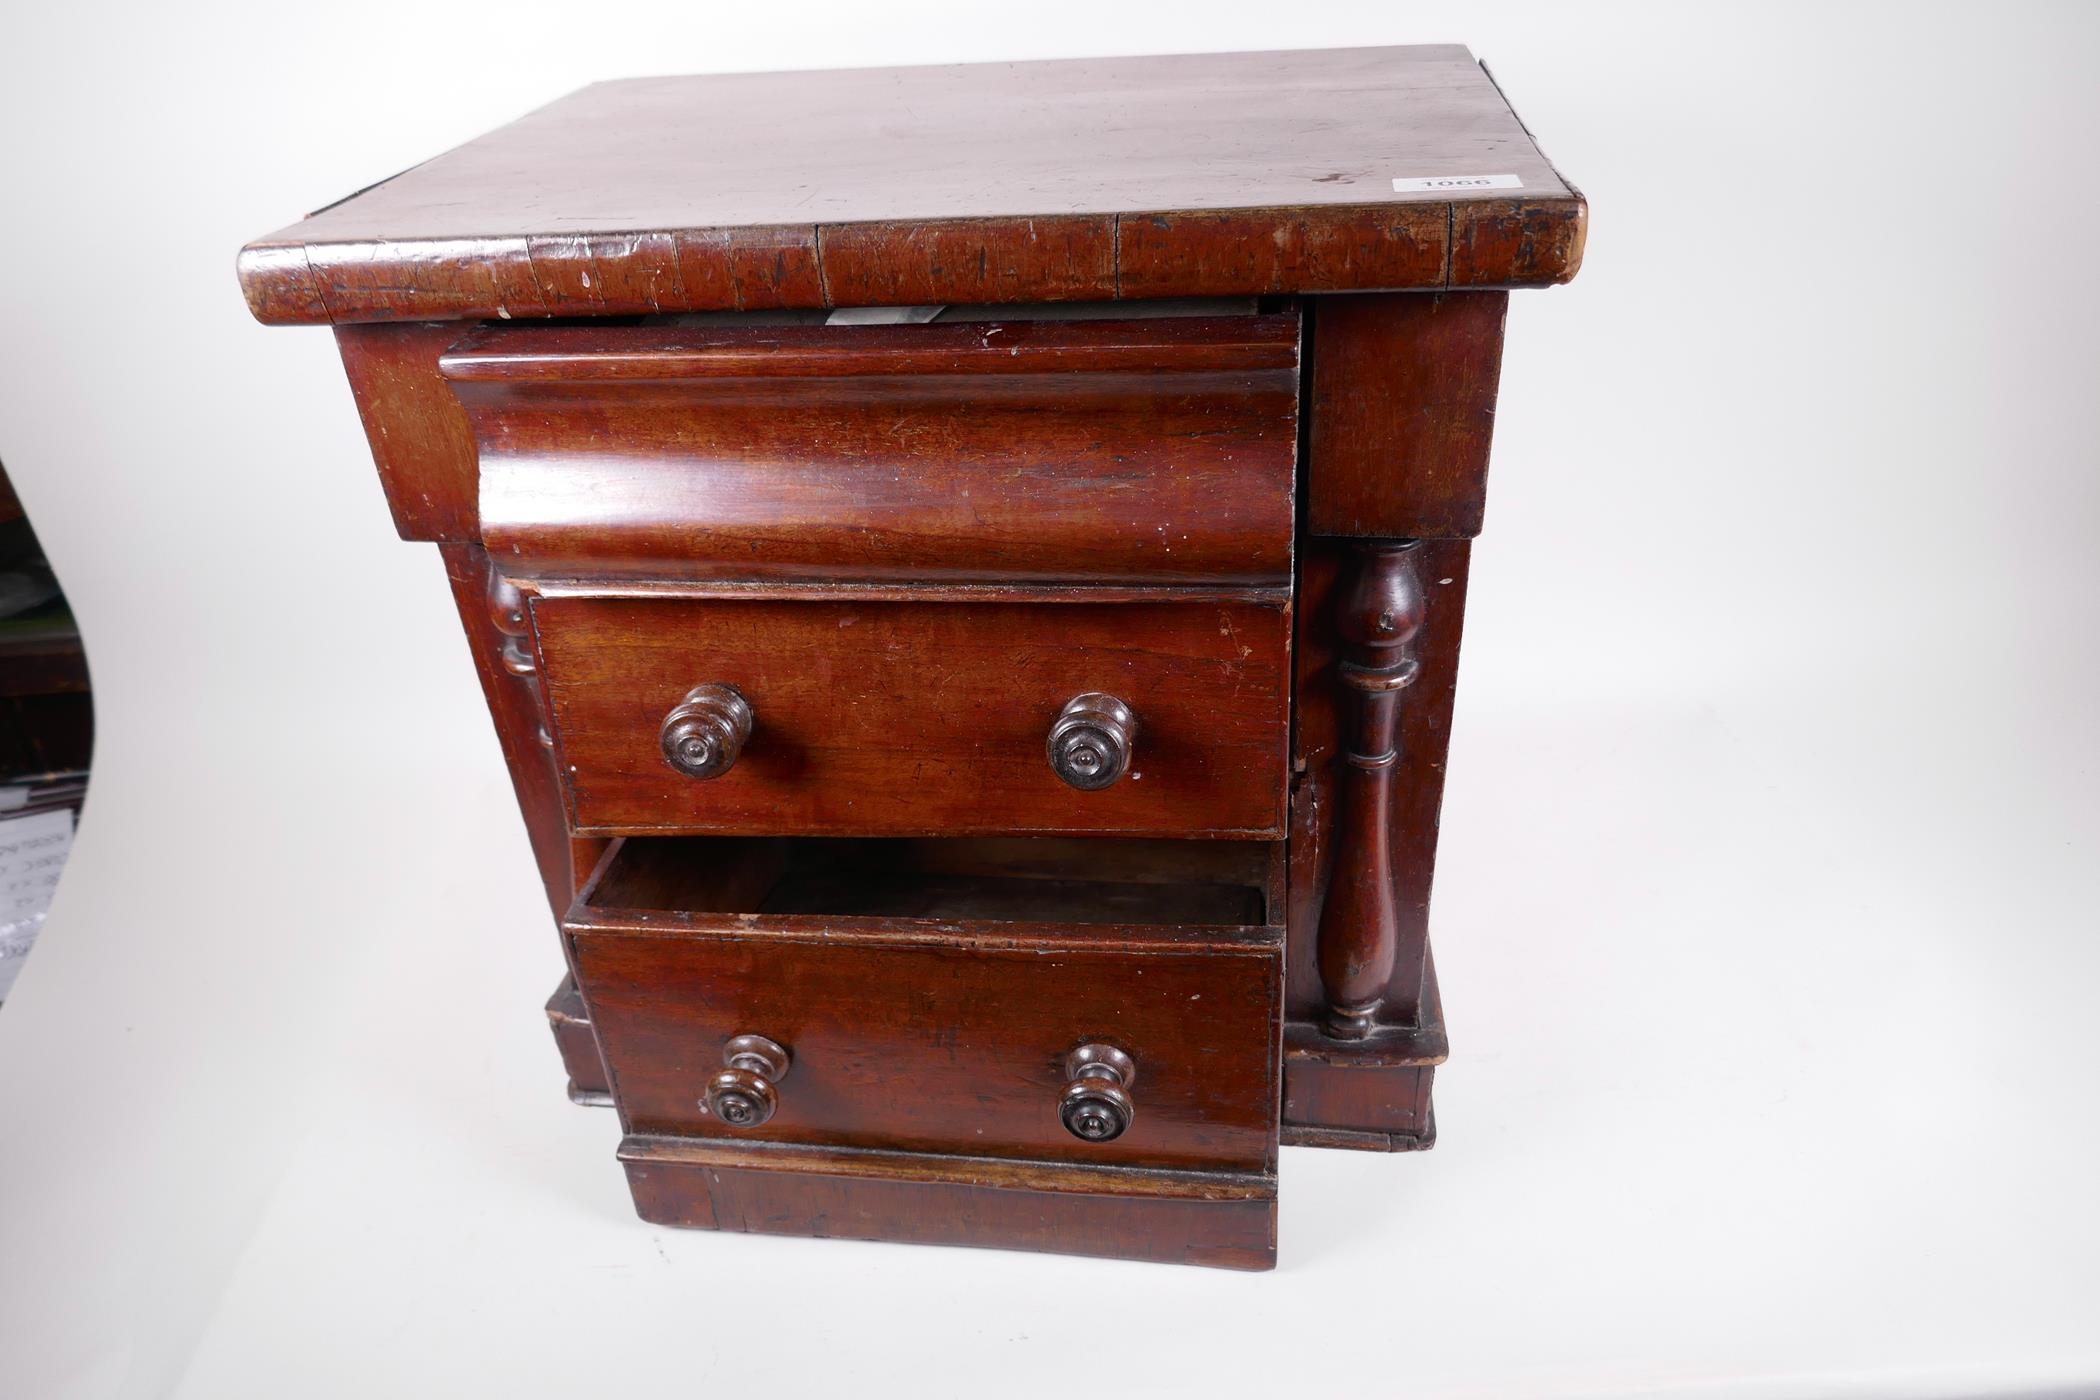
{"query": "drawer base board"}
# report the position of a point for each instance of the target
(1217, 1219)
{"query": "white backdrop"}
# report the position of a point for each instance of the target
(1772, 849)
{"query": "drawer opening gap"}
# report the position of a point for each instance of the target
(1068, 880)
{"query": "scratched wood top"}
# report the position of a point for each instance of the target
(1199, 175)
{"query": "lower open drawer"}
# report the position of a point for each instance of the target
(929, 995)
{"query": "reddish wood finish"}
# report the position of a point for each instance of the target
(1384, 1102)
(968, 260)
(1516, 242)
(1320, 716)
(893, 598)
(420, 438)
(947, 1032)
(1159, 450)
(1377, 615)
(1078, 180)
(578, 1044)
(1356, 1110)
(1251, 252)
(515, 706)
(1224, 1220)
(1371, 1094)
(919, 717)
(491, 614)
(1402, 411)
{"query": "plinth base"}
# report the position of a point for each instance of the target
(588, 1082)
(1223, 1220)
(1371, 1095)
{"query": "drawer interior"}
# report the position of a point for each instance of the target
(981, 880)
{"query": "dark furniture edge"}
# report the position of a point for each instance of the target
(1388, 246)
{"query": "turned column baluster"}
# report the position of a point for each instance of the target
(1377, 616)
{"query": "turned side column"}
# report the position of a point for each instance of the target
(1377, 616)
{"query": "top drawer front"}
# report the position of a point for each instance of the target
(1139, 451)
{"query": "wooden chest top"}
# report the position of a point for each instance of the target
(1089, 179)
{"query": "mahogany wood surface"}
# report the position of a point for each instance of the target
(1401, 411)
(1381, 1107)
(981, 806)
(942, 1031)
(1223, 1220)
(1370, 1095)
(514, 705)
(1250, 173)
(1320, 714)
(922, 717)
(421, 441)
(1154, 450)
(577, 1041)
(1377, 614)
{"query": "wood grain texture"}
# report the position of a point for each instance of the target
(1076, 179)
(1319, 717)
(420, 438)
(942, 1031)
(1254, 252)
(1377, 613)
(1516, 242)
(919, 718)
(1149, 450)
(968, 260)
(514, 706)
(1368, 1108)
(1401, 413)
(1372, 1095)
(1219, 1219)
(964, 633)
(570, 1021)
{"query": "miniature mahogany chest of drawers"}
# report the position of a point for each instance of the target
(967, 567)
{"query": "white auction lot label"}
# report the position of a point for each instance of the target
(1416, 184)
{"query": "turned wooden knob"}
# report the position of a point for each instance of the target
(1096, 1104)
(1090, 741)
(705, 732)
(746, 1093)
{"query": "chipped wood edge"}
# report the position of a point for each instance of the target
(1381, 246)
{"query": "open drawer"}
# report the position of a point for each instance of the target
(938, 996)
